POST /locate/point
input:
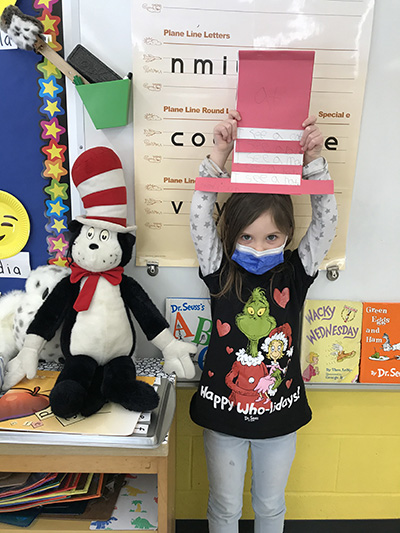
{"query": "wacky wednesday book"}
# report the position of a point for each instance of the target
(331, 341)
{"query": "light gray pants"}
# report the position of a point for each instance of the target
(226, 464)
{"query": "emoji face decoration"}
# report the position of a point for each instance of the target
(14, 225)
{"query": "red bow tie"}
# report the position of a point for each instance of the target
(82, 303)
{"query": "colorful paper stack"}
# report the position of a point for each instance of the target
(46, 488)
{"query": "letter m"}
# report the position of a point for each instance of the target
(203, 63)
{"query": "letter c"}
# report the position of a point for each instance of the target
(173, 136)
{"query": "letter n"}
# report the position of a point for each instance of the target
(179, 61)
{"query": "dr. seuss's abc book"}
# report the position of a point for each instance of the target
(331, 341)
(380, 345)
(190, 321)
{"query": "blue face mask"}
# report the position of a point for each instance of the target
(258, 262)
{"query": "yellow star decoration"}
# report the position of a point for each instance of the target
(60, 261)
(55, 45)
(56, 208)
(59, 244)
(49, 88)
(54, 170)
(58, 225)
(57, 190)
(49, 69)
(45, 3)
(51, 129)
(54, 152)
(48, 24)
(52, 107)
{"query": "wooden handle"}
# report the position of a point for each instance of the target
(43, 48)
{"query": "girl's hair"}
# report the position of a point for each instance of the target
(241, 210)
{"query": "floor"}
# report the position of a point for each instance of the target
(304, 526)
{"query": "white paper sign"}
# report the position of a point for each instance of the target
(17, 266)
(5, 42)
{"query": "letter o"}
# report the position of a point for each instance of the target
(202, 139)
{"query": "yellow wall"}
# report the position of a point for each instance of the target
(347, 464)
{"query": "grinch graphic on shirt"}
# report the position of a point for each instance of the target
(251, 380)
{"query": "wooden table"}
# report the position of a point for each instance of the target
(54, 458)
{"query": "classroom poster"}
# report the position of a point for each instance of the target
(185, 78)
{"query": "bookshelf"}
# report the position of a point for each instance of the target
(60, 458)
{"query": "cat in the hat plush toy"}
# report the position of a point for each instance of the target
(93, 306)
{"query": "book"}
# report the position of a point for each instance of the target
(380, 344)
(26, 407)
(70, 487)
(97, 509)
(331, 341)
(10, 480)
(190, 321)
(34, 480)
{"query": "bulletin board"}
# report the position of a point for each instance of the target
(185, 73)
(34, 148)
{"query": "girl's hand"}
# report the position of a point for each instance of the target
(224, 135)
(311, 141)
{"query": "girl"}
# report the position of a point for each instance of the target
(257, 292)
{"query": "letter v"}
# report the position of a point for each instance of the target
(176, 209)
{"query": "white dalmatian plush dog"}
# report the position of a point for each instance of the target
(18, 308)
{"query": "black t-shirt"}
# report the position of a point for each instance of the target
(251, 385)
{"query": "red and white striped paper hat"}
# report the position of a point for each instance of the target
(97, 174)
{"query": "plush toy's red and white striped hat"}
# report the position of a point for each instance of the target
(97, 174)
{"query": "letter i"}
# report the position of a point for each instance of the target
(224, 65)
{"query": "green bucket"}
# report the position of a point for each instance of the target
(107, 102)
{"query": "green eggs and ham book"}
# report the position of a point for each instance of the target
(380, 345)
(331, 341)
